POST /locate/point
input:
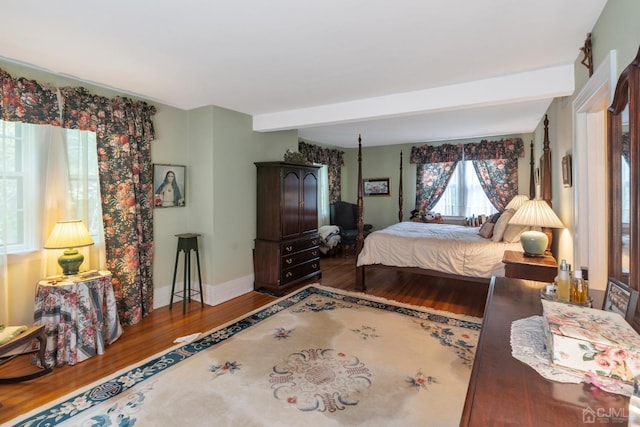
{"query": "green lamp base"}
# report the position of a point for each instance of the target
(70, 262)
(534, 243)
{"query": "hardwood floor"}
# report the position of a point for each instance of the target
(157, 331)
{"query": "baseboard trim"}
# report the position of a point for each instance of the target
(213, 294)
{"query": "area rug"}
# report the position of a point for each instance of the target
(318, 357)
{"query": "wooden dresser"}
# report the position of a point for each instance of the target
(504, 391)
(287, 248)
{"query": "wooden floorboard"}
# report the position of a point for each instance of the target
(157, 331)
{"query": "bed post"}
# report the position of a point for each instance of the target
(546, 164)
(532, 175)
(400, 200)
(360, 223)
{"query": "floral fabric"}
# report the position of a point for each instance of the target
(495, 163)
(436, 154)
(499, 180)
(511, 148)
(28, 101)
(333, 159)
(431, 181)
(124, 133)
(124, 130)
(80, 319)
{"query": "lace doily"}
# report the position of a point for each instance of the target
(528, 346)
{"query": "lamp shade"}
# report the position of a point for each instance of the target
(69, 235)
(517, 202)
(535, 213)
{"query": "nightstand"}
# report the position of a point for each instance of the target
(518, 266)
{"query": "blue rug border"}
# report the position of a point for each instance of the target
(108, 389)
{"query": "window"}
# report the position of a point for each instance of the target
(26, 172)
(12, 224)
(464, 195)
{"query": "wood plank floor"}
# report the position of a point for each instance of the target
(157, 331)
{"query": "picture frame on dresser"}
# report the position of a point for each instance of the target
(169, 185)
(620, 298)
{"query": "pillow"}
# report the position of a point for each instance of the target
(501, 225)
(494, 218)
(486, 230)
(513, 232)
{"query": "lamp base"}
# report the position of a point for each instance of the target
(70, 262)
(534, 243)
(528, 255)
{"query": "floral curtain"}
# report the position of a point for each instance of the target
(28, 101)
(495, 163)
(432, 180)
(333, 159)
(499, 180)
(435, 154)
(124, 132)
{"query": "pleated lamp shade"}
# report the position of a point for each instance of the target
(535, 213)
(69, 235)
(517, 202)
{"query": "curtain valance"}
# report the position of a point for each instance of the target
(325, 156)
(510, 148)
(28, 101)
(436, 154)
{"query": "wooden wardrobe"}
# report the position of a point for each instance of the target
(287, 248)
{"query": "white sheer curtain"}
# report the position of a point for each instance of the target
(323, 196)
(59, 182)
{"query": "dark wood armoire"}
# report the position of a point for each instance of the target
(287, 248)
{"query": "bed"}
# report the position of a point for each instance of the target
(442, 250)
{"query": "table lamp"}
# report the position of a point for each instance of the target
(517, 202)
(69, 235)
(536, 213)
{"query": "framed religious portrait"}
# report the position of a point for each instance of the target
(169, 183)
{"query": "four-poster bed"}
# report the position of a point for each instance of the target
(442, 250)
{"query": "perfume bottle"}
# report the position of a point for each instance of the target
(564, 282)
(578, 288)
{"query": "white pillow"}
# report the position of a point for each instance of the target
(513, 232)
(501, 225)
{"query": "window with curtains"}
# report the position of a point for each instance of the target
(464, 196)
(28, 171)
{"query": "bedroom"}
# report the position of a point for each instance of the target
(227, 257)
(227, 265)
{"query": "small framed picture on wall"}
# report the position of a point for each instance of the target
(566, 170)
(169, 185)
(376, 187)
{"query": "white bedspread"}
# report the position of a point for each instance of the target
(453, 249)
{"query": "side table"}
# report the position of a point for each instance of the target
(518, 266)
(79, 315)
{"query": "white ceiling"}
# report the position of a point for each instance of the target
(395, 71)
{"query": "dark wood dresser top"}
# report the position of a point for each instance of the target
(504, 391)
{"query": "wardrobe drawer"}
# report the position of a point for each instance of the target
(292, 260)
(299, 245)
(302, 270)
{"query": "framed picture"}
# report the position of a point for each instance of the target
(620, 298)
(376, 187)
(169, 185)
(566, 170)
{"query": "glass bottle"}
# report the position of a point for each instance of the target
(564, 282)
(578, 288)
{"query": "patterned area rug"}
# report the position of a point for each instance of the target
(318, 357)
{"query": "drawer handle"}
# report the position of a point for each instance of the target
(314, 253)
(314, 265)
(288, 261)
(288, 248)
(314, 241)
(288, 274)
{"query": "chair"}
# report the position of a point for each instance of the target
(345, 216)
(22, 344)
